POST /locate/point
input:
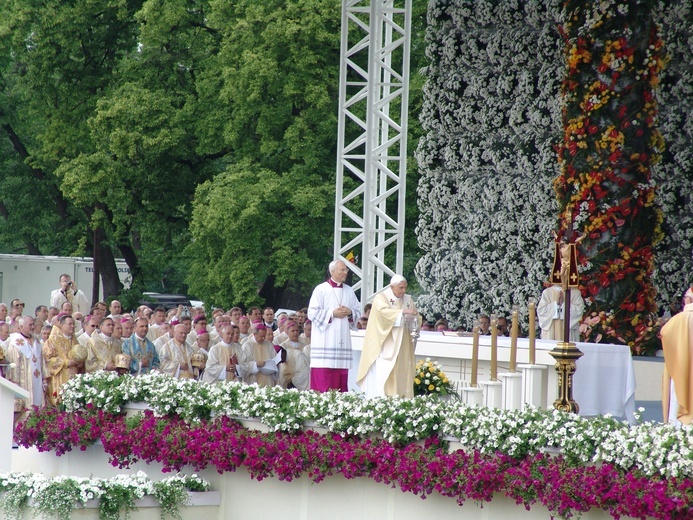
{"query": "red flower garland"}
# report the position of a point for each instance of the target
(614, 58)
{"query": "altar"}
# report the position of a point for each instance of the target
(604, 382)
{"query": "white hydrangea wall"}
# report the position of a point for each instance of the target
(492, 118)
(674, 176)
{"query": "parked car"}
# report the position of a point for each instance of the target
(167, 301)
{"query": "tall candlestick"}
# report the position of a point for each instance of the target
(494, 347)
(532, 331)
(475, 353)
(513, 339)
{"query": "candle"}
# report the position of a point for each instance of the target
(532, 331)
(475, 353)
(494, 347)
(513, 339)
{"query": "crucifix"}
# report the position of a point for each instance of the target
(565, 273)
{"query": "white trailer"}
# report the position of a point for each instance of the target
(32, 278)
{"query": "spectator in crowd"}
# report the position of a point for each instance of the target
(79, 318)
(367, 310)
(427, 325)
(141, 312)
(294, 372)
(268, 318)
(254, 314)
(45, 333)
(117, 331)
(484, 325)
(128, 325)
(41, 315)
(16, 309)
(115, 308)
(235, 313)
(220, 323)
(244, 328)
(257, 364)
(307, 331)
(441, 325)
(66, 308)
(362, 323)
(3, 312)
(156, 320)
(63, 357)
(280, 334)
(300, 317)
(99, 310)
(503, 329)
(186, 320)
(4, 334)
(52, 313)
(216, 311)
(101, 348)
(68, 292)
(25, 352)
(199, 326)
(141, 350)
(334, 310)
(223, 356)
(202, 342)
(175, 355)
(166, 336)
(88, 328)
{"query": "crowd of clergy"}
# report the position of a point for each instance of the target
(41, 352)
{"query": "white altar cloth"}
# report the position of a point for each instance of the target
(604, 382)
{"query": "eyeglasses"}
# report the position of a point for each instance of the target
(19, 305)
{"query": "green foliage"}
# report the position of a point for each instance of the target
(250, 223)
(115, 111)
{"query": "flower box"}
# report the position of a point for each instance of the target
(133, 408)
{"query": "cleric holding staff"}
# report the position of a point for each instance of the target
(334, 311)
(387, 359)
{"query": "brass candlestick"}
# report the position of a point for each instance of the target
(532, 309)
(475, 354)
(494, 347)
(513, 339)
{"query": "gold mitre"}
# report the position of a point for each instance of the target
(197, 359)
(122, 361)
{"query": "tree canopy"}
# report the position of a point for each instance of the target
(195, 139)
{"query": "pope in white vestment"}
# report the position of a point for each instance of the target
(333, 312)
(387, 360)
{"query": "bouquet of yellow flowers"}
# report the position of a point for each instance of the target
(429, 378)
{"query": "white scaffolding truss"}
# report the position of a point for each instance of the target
(372, 140)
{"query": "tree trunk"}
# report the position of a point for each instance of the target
(104, 261)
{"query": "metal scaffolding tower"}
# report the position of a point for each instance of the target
(372, 140)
